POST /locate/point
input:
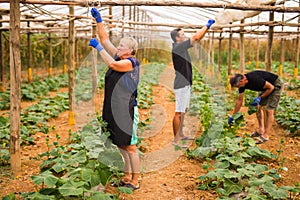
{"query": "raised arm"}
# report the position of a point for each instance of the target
(200, 33)
(104, 38)
(120, 66)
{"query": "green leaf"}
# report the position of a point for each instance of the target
(260, 181)
(86, 174)
(39, 196)
(80, 157)
(125, 190)
(236, 160)
(271, 188)
(102, 196)
(232, 187)
(96, 180)
(222, 165)
(46, 177)
(71, 188)
(58, 167)
(11, 196)
(105, 176)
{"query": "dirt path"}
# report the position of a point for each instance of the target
(166, 174)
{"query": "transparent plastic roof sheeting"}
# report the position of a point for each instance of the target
(55, 18)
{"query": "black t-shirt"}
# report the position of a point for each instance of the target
(257, 80)
(182, 64)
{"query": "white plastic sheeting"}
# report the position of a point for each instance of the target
(57, 15)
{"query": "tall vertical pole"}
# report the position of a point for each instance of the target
(71, 65)
(15, 87)
(220, 52)
(50, 67)
(242, 50)
(281, 51)
(297, 51)
(257, 53)
(29, 69)
(270, 42)
(2, 86)
(229, 58)
(94, 69)
(65, 43)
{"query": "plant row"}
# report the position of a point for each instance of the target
(90, 159)
(35, 90)
(236, 167)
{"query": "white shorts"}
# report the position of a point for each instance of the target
(182, 98)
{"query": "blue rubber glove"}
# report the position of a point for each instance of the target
(256, 101)
(230, 120)
(95, 13)
(94, 43)
(209, 23)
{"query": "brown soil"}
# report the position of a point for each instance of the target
(167, 176)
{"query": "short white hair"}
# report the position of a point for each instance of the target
(131, 43)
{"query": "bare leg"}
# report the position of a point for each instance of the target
(134, 163)
(178, 126)
(269, 123)
(180, 133)
(135, 166)
(127, 166)
(260, 119)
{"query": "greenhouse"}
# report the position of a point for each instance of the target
(219, 120)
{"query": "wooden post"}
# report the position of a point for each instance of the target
(270, 42)
(295, 74)
(209, 55)
(281, 51)
(2, 85)
(220, 52)
(242, 49)
(65, 43)
(50, 56)
(257, 53)
(110, 14)
(94, 69)
(71, 66)
(29, 69)
(229, 59)
(297, 51)
(212, 61)
(15, 87)
(123, 17)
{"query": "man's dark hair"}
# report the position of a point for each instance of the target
(174, 33)
(236, 79)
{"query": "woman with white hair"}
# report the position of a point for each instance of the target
(120, 93)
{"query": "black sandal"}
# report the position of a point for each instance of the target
(117, 183)
(261, 140)
(131, 186)
(255, 134)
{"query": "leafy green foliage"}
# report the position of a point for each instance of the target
(35, 90)
(148, 79)
(239, 163)
(34, 119)
(249, 96)
(91, 159)
(288, 114)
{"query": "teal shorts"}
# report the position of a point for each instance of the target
(135, 126)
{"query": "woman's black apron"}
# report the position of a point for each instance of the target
(119, 98)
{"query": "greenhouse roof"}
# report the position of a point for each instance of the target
(161, 16)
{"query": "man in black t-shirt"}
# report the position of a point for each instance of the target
(183, 75)
(269, 87)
